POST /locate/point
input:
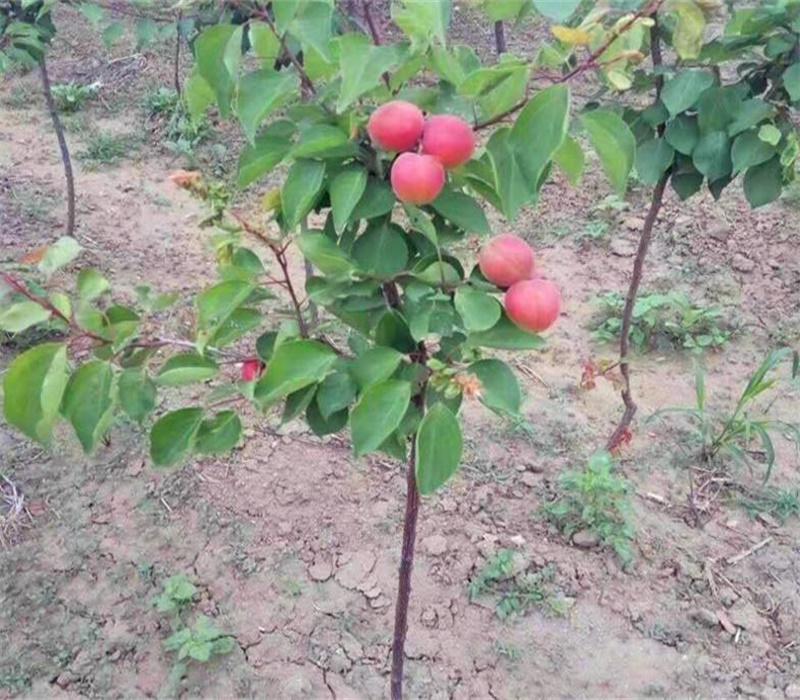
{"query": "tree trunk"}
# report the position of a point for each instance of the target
(500, 37)
(62, 145)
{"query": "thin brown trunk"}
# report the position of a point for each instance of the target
(500, 37)
(177, 67)
(622, 431)
(62, 145)
(404, 583)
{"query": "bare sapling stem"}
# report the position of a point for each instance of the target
(500, 37)
(58, 127)
(404, 581)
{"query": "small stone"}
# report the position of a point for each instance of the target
(585, 539)
(320, 570)
(435, 545)
(339, 663)
(725, 621)
(634, 223)
(727, 596)
(746, 687)
(529, 479)
(774, 264)
(429, 616)
(740, 263)
(65, 679)
(704, 617)
(771, 694)
(116, 655)
(449, 505)
(517, 540)
(792, 691)
(744, 614)
(622, 248)
(768, 521)
(720, 231)
(380, 602)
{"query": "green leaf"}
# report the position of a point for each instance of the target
(712, 157)
(763, 183)
(235, 326)
(270, 148)
(682, 133)
(198, 93)
(375, 365)
(92, 12)
(112, 34)
(378, 199)
(324, 254)
(423, 21)
(323, 141)
(500, 389)
(687, 36)
(217, 54)
(439, 446)
(571, 159)
(791, 81)
(749, 150)
(378, 413)
(187, 368)
(173, 435)
(22, 315)
(393, 331)
(685, 180)
(216, 304)
(346, 190)
(462, 210)
(336, 392)
(260, 94)
(750, 113)
(557, 10)
(682, 92)
(505, 335)
(88, 402)
(265, 44)
(294, 364)
(770, 134)
(136, 393)
(653, 158)
(478, 310)
(32, 389)
(312, 26)
(381, 250)
(615, 144)
(520, 155)
(717, 108)
(61, 253)
(321, 426)
(362, 64)
(91, 284)
(301, 189)
(219, 434)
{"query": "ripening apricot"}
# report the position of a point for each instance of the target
(533, 305)
(506, 259)
(449, 139)
(417, 179)
(252, 369)
(396, 126)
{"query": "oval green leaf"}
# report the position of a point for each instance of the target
(439, 446)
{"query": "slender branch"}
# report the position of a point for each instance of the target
(177, 75)
(304, 79)
(62, 145)
(376, 36)
(20, 288)
(593, 61)
(280, 256)
(622, 431)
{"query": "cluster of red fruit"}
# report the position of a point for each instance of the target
(447, 142)
(532, 302)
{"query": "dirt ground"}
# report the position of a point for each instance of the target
(294, 544)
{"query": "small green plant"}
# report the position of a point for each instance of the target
(200, 642)
(731, 433)
(511, 652)
(780, 503)
(180, 132)
(105, 149)
(176, 596)
(596, 231)
(598, 500)
(71, 97)
(662, 320)
(515, 590)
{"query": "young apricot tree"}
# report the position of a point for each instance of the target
(385, 154)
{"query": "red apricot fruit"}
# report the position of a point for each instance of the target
(506, 259)
(449, 139)
(396, 126)
(252, 369)
(417, 179)
(533, 305)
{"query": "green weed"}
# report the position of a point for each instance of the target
(180, 133)
(105, 149)
(779, 503)
(731, 433)
(200, 642)
(176, 596)
(662, 320)
(515, 592)
(20, 97)
(598, 500)
(71, 97)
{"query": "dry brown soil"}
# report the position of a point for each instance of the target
(294, 544)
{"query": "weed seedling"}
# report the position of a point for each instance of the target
(598, 500)
(778, 503)
(662, 320)
(105, 149)
(71, 97)
(731, 433)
